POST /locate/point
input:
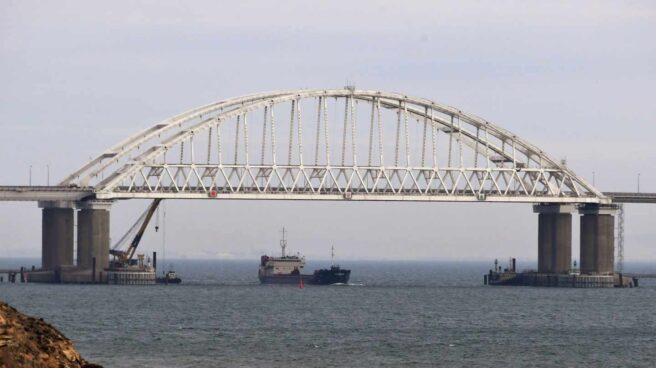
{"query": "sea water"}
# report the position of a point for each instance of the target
(393, 314)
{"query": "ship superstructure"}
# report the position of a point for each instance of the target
(284, 269)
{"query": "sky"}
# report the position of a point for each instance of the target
(574, 78)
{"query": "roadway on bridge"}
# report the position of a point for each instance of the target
(44, 193)
(64, 193)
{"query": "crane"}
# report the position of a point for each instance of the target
(122, 258)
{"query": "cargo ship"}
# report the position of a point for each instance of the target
(288, 269)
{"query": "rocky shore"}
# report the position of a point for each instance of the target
(30, 342)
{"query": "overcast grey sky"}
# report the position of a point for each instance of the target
(574, 78)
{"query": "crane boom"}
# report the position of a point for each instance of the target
(125, 256)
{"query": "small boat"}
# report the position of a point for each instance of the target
(170, 277)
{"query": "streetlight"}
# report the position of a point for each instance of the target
(593, 179)
(30, 180)
(48, 176)
(638, 182)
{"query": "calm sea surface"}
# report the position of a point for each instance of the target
(411, 314)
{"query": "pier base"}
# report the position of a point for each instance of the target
(597, 239)
(554, 238)
(555, 280)
(93, 241)
(57, 234)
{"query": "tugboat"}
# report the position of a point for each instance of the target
(289, 270)
(508, 276)
(170, 277)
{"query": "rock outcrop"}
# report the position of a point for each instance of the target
(30, 342)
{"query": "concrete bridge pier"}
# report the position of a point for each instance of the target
(554, 237)
(57, 235)
(597, 239)
(93, 240)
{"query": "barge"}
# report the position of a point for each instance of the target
(510, 277)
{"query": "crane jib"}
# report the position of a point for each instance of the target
(127, 255)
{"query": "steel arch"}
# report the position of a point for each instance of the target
(492, 163)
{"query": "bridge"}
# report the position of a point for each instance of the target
(338, 144)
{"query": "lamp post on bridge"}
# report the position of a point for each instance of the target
(30, 177)
(638, 182)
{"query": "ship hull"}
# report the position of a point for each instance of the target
(164, 280)
(286, 279)
(334, 275)
(320, 277)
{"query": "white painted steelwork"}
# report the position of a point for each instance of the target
(364, 145)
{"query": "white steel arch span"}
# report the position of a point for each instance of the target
(331, 144)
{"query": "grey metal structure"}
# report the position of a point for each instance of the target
(628, 197)
(331, 144)
(44, 193)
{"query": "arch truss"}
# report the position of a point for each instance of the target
(331, 144)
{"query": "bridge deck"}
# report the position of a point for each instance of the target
(628, 197)
(62, 193)
(43, 193)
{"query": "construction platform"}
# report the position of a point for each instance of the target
(77, 276)
(131, 277)
(531, 278)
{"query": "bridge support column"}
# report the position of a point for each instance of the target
(597, 239)
(93, 238)
(57, 232)
(554, 237)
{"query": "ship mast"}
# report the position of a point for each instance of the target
(283, 242)
(332, 255)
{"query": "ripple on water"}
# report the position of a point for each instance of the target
(409, 314)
